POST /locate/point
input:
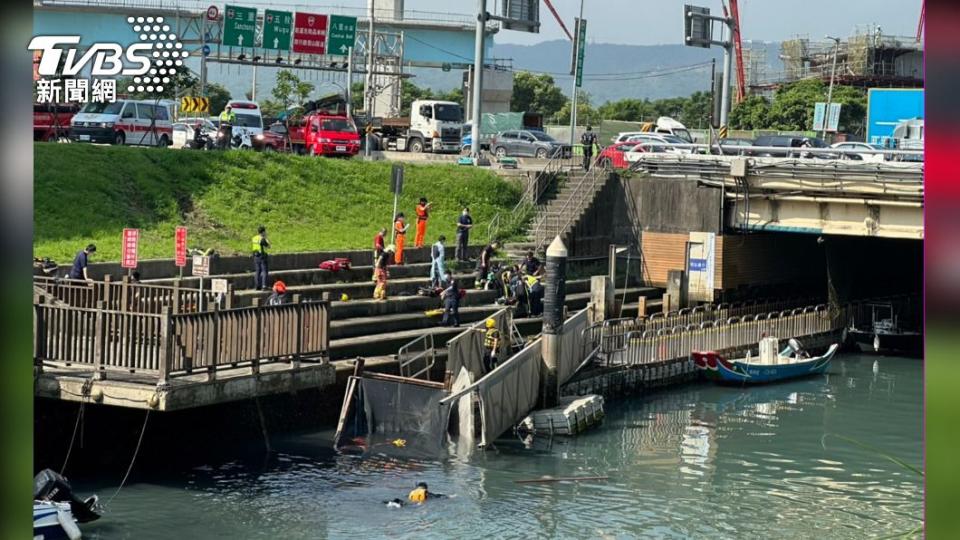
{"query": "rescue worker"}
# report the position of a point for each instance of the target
(436, 262)
(483, 268)
(532, 265)
(79, 269)
(588, 140)
(491, 345)
(464, 224)
(535, 292)
(378, 245)
(380, 273)
(451, 302)
(400, 227)
(279, 294)
(227, 119)
(421, 493)
(423, 214)
(258, 246)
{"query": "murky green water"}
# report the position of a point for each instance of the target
(699, 461)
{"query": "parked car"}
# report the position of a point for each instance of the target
(867, 151)
(663, 126)
(612, 156)
(51, 121)
(528, 143)
(792, 146)
(661, 143)
(273, 139)
(734, 147)
(125, 121)
(324, 134)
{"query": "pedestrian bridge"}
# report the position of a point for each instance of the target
(804, 195)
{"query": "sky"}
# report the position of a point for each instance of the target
(652, 22)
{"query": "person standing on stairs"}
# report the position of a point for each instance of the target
(436, 262)
(378, 247)
(259, 245)
(464, 224)
(588, 140)
(451, 302)
(400, 227)
(423, 214)
(483, 268)
(380, 273)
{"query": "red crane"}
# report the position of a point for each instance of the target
(920, 24)
(557, 17)
(738, 49)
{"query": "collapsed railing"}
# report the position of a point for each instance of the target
(167, 345)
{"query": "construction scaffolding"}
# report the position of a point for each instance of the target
(868, 58)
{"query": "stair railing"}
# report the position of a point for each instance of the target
(581, 196)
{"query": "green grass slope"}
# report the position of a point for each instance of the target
(85, 193)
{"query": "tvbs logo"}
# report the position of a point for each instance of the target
(151, 61)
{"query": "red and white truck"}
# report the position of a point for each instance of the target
(324, 133)
(51, 121)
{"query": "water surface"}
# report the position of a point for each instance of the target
(696, 461)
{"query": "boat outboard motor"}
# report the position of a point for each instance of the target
(797, 348)
(51, 486)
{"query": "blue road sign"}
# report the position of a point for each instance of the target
(206, 50)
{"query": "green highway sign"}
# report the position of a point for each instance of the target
(239, 26)
(341, 34)
(581, 47)
(277, 28)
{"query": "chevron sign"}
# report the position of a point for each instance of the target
(194, 104)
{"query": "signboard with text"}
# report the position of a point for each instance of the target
(239, 26)
(277, 27)
(342, 34)
(131, 238)
(581, 48)
(820, 115)
(180, 246)
(310, 33)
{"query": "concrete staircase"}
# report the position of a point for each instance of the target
(560, 215)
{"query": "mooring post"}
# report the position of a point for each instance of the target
(553, 303)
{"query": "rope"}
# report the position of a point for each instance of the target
(74, 436)
(132, 460)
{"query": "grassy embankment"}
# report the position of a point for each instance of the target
(85, 193)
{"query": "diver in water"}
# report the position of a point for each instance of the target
(419, 495)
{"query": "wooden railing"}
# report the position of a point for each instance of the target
(127, 296)
(169, 345)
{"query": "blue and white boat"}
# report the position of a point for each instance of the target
(56, 510)
(790, 363)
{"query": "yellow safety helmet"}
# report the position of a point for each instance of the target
(491, 323)
(344, 297)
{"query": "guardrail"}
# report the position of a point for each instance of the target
(127, 296)
(649, 346)
(167, 345)
(418, 350)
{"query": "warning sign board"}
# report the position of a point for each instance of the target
(131, 239)
(310, 33)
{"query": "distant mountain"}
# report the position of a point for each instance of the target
(633, 62)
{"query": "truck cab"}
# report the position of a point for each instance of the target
(325, 134)
(435, 126)
(667, 126)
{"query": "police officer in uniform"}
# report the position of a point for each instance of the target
(588, 140)
(227, 119)
(259, 245)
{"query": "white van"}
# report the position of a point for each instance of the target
(125, 121)
(249, 122)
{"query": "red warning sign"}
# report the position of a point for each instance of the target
(131, 237)
(310, 33)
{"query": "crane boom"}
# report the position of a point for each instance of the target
(557, 17)
(920, 24)
(738, 49)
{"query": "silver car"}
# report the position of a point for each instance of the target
(527, 143)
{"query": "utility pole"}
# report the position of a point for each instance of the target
(476, 85)
(833, 71)
(349, 90)
(369, 79)
(573, 103)
(253, 92)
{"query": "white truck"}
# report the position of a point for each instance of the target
(433, 126)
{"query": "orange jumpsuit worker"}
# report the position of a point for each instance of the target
(400, 228)
(423, 214)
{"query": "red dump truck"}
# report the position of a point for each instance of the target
(324, 129)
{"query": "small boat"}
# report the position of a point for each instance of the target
(884, 333)
(56, 510)
(790, 363)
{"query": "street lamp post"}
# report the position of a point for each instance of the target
(833, 71)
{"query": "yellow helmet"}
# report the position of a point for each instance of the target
(491, 323)
(344, 297)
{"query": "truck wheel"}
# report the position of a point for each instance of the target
(541, 153)
(164, 141)
(312, 151)
(500, 151)
(119, 138)
(606, 164)
(416, 146)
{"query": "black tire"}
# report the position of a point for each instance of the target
(119, 138)
(164, 141)
(541, 153)
(416, 146)
(500, 152)
(606, 164)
